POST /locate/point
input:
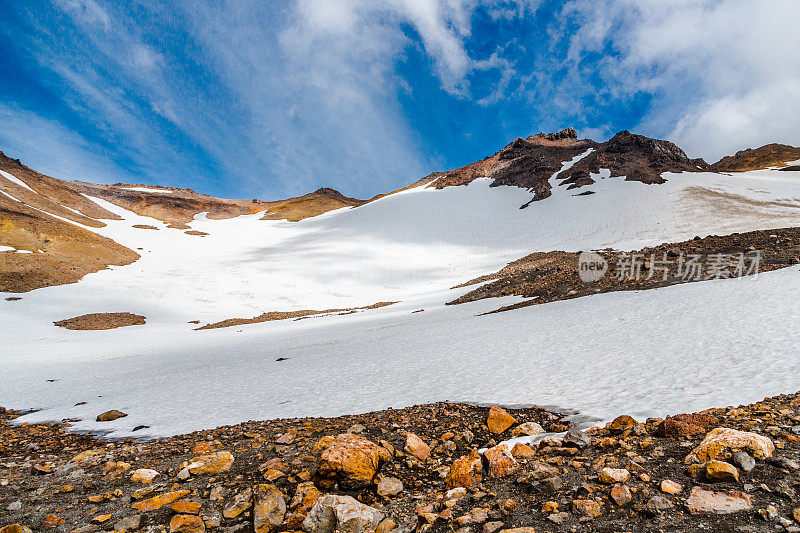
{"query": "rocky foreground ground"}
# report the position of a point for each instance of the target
(431, 468)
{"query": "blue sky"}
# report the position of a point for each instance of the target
(275, 99)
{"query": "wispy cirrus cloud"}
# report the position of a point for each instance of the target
(269, 99)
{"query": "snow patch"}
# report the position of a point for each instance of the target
(16, 180)
(146, 189)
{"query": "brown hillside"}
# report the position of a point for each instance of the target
(769, 155)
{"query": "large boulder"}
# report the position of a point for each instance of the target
(686, 425)
(722, 440)
(269, 508)
(703, 501)
(527, 429)
(342, 514)
(501, 462)
(416, 447)
(351, 460)
(499, 420)
(210, 463)
(466, 471)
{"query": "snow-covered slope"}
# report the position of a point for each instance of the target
(604, 355)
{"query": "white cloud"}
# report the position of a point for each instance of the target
(724, 73)
(87, 12)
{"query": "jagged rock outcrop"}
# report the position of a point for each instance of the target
(527, 163)
(531, 163)
(636, 157)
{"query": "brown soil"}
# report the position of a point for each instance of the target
(549, 276)
(172, 205)
(70, 252)
(309, 205)
(770, 155)
(283, 315)
(38, 470)
(96, 321)
(67, 252)
(196, 233)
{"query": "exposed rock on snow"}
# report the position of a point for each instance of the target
(111, 415)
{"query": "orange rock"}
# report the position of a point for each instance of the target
(686, 425)
(211, 463)
(587, 508)
(352, 460)
(416, 446)
(15, 528)
(52, 520)
(621, 495)
(499, 420)
(465, 472)
(621, 423)
(721, 471)
(99, 519)
(304, 499)
(549, 507)
(501, 462)
(269, 509)
(143, 475)
(157, 502)
(239, 504)
(610, 476)
(522, 451)
(703, 501)
(272, 474)
(186, 524)
(723, 440)
(323, 443)
(206, 446)
(88, 454)
(670, 487)
(186, 507)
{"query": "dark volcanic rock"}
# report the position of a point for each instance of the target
(636, 157)
(531, 163)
